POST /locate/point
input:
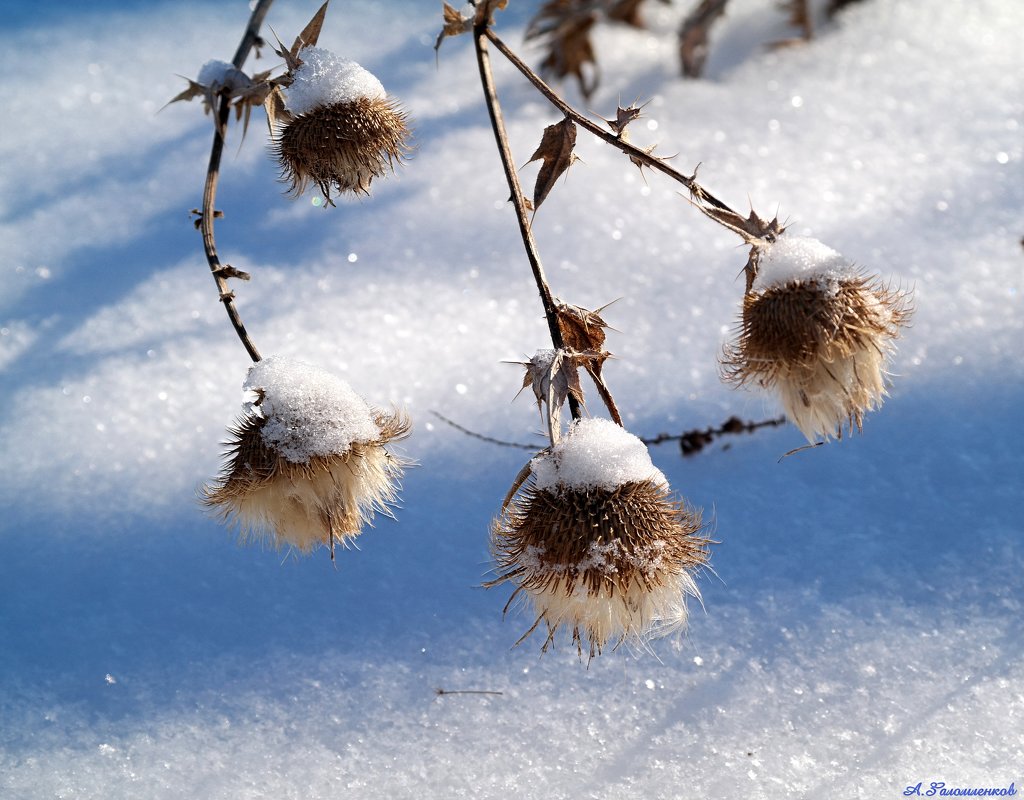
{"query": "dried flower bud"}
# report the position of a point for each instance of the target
(340, 129)
(819, 332)
(307, 463)
(596, 542)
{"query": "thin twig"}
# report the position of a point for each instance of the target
(690, 442)
(481, 437)
(634, 152)
(693, 441)
(441, 692)
(220, 271)
(480, 35)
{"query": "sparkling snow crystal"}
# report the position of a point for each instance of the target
(798, 258)
(596, 453)
(309, 411)
(326, 79)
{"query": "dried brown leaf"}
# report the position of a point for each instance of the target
(554, 377)
(623, 117)
(311, 33)
(582, 329)
(485, 10)
(565, 26)
(627, 11)
(835, 6)
(193, 91)
(800, 16)
(556, 150)
(277, 113)
(454, 25)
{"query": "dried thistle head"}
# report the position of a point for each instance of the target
(596, 543)
(337, 128)
(307, 463)
(817, 331)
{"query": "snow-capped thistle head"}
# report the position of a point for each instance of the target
(339, 130)
(819, 332)
(596, 543)
(306, 464)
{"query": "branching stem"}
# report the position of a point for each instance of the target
(480, 35)
(220, 271)
(699, 194)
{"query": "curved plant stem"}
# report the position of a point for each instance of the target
(699, 194)
(480, 35)
(221, 272)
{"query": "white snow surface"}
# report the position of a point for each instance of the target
(309, 411)
(800, 258)
(862, 631)
(595, 454)
(327, 79)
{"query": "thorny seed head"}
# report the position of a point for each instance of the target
(611, 561)
(820, 335)
(281, 484)
(340, 130)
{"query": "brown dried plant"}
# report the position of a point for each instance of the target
(308, 490)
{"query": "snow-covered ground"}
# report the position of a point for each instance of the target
(862, 630)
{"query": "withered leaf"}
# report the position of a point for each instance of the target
(565, 26)
(277, 114)
(835, 6)
(627, 11)
(623, 117)
(291, 61)
(554, 377)
(454, 25)
(193, 91)
(582, 329)
(556, 149)
(693, 36)
(800, 16)
(311, 33)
